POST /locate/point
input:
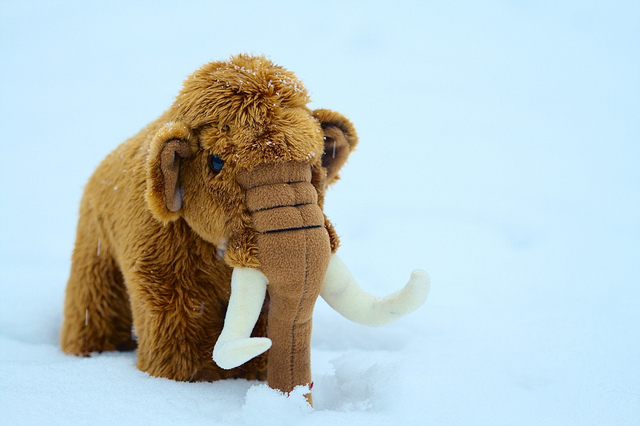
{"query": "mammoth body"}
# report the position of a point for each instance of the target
(207, 228)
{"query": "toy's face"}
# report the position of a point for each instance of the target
(245, 156)
(241, 170)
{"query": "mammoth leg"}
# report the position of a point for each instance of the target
(97, 314)
(235, 346)
(342, 293)
(167, 338)
(175, 329)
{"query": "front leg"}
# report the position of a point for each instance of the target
(178, 322)
(168, 336)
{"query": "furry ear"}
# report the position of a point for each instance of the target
(170, 145)
(340, 139)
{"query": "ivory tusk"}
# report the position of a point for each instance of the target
(235, 346)
(341, 291)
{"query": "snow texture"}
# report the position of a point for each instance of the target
(499, 152)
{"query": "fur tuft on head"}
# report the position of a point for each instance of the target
(245, 88)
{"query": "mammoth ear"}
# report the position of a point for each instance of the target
(169, 146)
(340, 139)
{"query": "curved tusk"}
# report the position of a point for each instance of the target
(235, 346)
(342, 293)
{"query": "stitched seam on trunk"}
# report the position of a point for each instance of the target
(280, 206)
(301, 228)
(274, 183)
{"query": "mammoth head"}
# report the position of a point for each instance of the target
(231, 119)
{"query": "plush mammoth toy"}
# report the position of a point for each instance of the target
(204, 236)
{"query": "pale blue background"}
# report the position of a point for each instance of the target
(499, 151)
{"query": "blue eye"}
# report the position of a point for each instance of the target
(216, 163)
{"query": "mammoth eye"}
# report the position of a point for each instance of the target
(216, 163)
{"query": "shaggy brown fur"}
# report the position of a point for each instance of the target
(155, 220)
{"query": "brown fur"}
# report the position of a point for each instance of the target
(154, 215)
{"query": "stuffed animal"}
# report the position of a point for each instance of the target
(202, 239)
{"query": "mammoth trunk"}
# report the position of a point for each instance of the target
(294, 252)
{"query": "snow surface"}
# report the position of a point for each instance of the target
(500, 144)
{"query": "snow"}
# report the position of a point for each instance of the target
(499, 148)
